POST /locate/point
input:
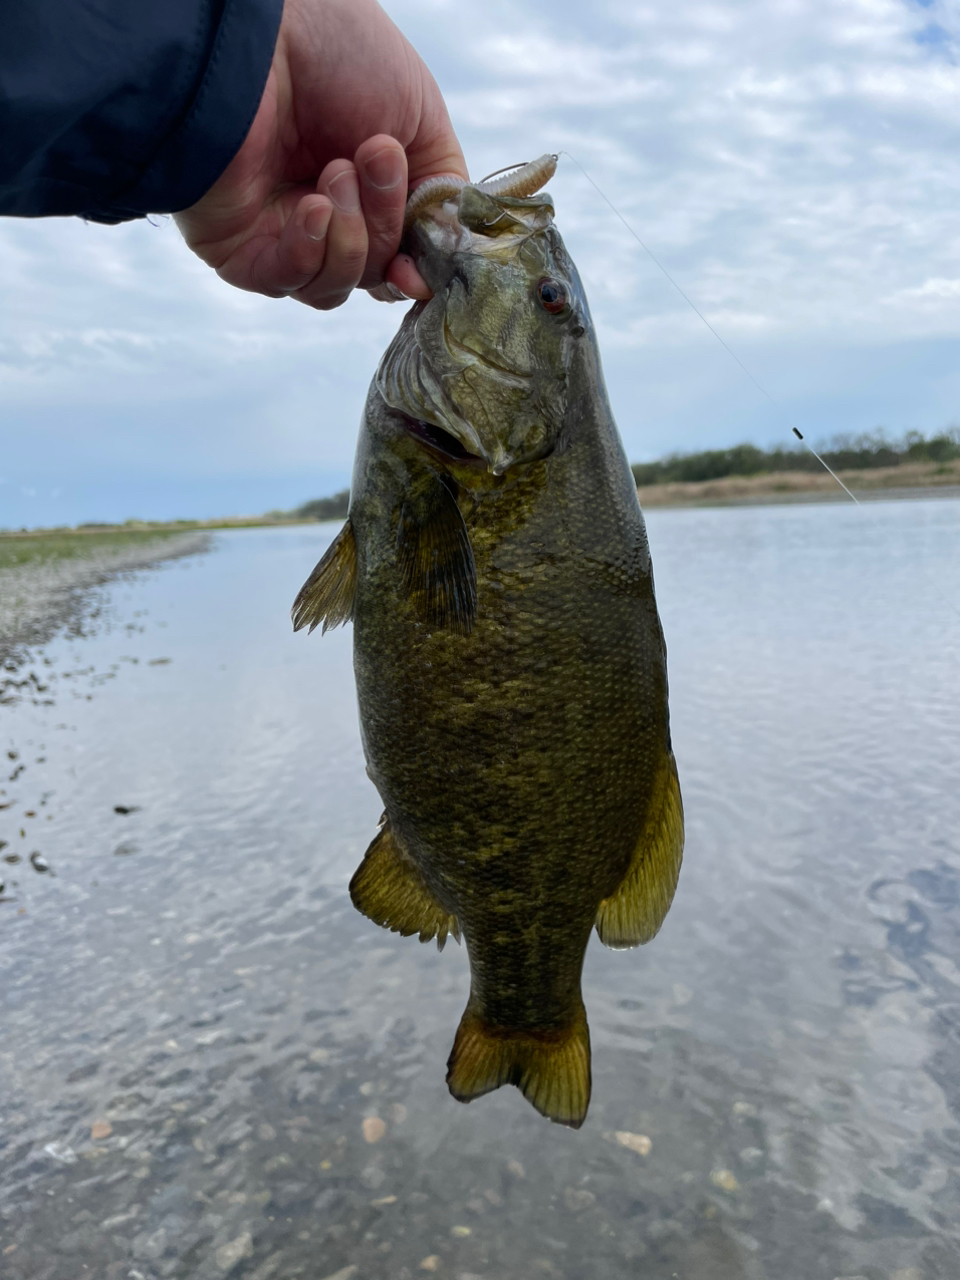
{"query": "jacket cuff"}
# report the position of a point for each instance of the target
(215, 123)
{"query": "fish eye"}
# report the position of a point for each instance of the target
(552, 295)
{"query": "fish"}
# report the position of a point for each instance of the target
(509, 657)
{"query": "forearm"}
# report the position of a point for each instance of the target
(112, 109)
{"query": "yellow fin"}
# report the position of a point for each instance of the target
(636, 911)
(387, 888)
(550, 1068)
(327, 595)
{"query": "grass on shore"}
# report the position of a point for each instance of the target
(733, 489)
(21, 549)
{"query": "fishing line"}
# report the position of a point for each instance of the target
(781, 412)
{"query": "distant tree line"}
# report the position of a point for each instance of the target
(843, 453)
(334, 508)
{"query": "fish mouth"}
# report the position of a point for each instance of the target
(443, 442)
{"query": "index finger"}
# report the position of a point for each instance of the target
(382, 168)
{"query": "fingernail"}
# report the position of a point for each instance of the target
(385, 169)
(316, 222)
(344, 191)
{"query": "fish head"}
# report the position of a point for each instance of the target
(486, 361)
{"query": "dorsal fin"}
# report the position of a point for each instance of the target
(635, 912)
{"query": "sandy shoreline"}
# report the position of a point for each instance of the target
(909, 481)
(40, 597)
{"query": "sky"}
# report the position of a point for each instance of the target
(794, 164)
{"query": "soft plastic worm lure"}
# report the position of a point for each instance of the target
(522, 181)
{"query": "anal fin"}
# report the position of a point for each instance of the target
(388, 889)
(327, 595)
(636, 911)
(550, 1068)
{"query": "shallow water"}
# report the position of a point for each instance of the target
(196, 1024)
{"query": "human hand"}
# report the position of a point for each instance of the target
(312, 204)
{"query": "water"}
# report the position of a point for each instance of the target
(196, 1024)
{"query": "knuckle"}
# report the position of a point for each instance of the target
(350, 259)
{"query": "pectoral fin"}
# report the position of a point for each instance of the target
(636, 911)
(436, 558)
(388, 889)
(550, 1068)
(327, 595)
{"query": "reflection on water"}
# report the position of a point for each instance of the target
(211, 1065)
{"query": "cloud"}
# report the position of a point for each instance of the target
(937, 288)
(794, 166)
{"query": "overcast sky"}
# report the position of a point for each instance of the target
(795, 165)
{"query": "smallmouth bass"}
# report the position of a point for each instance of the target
(510, 663)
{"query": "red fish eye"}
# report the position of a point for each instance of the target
(552, 295)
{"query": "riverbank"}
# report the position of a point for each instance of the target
(45, 578)
(909, 480)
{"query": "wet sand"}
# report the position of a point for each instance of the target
(50, 593)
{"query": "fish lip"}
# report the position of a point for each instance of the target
(436, 440)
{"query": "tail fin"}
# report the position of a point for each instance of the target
(550, 1068)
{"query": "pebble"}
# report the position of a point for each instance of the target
(461, 1232)
(100, 1129)
(62, 1152)
(725, 1180)
(638, 1142)
(228, 1255)
(516, 1168)
(577, 1199)
(345, 1273)
(373, 1177)
(431, 1263)
(373, 1129)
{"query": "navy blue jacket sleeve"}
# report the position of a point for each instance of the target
(112, 109)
